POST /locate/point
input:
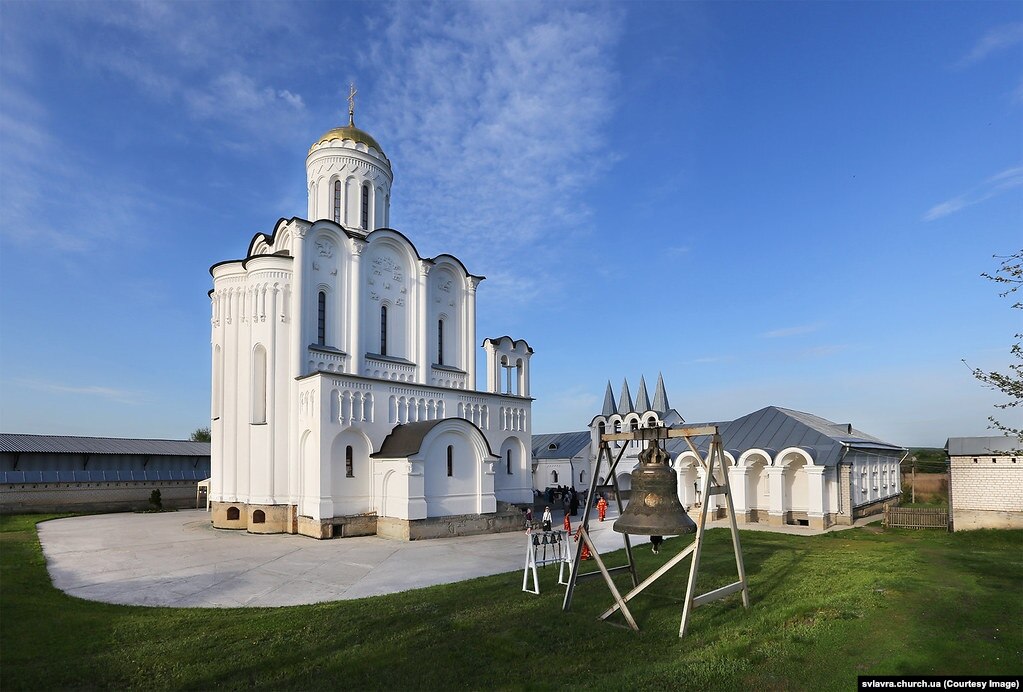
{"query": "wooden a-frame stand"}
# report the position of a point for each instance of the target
(714, 459)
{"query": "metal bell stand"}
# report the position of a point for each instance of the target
(714, 459)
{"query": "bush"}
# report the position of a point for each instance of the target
(155, 500)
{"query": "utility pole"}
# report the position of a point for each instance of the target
(914, 480)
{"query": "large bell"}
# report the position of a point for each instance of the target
(654, 508)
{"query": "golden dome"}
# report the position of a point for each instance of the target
(349, 131)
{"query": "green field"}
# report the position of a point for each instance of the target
(824, 610)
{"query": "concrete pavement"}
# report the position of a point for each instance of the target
(178, 559)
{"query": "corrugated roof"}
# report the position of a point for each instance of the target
(66, 444)
(85, 476)
(774, 428)
(567, 444)
(982, 446)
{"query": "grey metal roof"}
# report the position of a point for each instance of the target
(66, 444)
(776, 428)
(568, 444)
(610, 407)
(101, 476)
(982, 446)
(625, 399)
(407, 439)
(642, 399)
(660, 396)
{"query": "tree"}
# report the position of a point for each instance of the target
(200, 435)
(1010, 277)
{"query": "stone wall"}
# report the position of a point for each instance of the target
(28, 498)
(986, 492)
(449, 527)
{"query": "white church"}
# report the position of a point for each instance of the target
(344, 384)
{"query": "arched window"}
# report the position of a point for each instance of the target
(383, 330)
(440, 342)
(508, 459)
(259, 517)
(554, 476)
(634, 427)
(365, 207)
(651, 422)
(337, 201)
(259, 384)
(451, 460)
(349, 462)
(321, 318)
(233, 514)
(582, 476)
(601, 429)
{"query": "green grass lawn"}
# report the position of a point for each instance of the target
(824, 610)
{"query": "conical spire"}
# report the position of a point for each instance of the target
(625, 399)
(660, 396)
(610, 408)
(642, 399)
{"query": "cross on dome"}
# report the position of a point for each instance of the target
(352, 91)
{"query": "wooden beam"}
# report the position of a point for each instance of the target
(660, 433)
(718, 593)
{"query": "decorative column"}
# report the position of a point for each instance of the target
(776, 487)
(844, 515)
(469, 348)
(421, 304)
(297, 354)
(354, 347)
(817, 500)
(738, 481)
(490, 349)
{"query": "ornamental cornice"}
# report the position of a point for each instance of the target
(332, 163)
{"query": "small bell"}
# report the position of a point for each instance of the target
(654, 508)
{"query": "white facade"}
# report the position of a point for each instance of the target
(985, 482)
(328, 337)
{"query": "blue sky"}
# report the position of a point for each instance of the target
(770, 203)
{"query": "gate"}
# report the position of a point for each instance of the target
(916, 517)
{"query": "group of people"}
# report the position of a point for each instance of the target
(569, 497)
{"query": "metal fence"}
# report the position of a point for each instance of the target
(916, 517)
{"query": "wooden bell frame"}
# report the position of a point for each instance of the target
(714, 460)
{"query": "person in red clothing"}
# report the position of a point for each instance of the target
(568, 524)
(601, 508)
(586, 548)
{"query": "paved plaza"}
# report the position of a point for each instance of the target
(178, 559)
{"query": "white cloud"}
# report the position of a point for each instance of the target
(993, 186)
(118, 395)
(996, 39)
(494, 115)
(791, 331)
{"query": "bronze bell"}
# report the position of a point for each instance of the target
(654, 508)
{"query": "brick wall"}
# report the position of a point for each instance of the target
(986, 491)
